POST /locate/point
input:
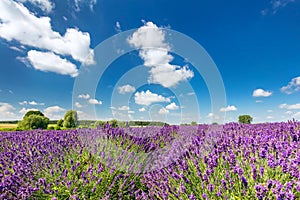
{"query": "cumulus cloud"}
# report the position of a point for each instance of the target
(131, 112)
(19, 24)
(45, 5)
(293, 86)
(163, 111)
(95, 102)
(78, 105)
(126, 89)
(84, 96)
(142, 109)
(124, 108)
(54, 112)
(6, 111)
(172, 106)
(50, 62)
(290, 107)
(228, 108)
(261, 93)
(296, 115)
(154, 50)
(147, 98)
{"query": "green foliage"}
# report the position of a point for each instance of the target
(70, 119)
(246, 119)
(33, 121)
(193, 123)
(114, 123)
(34, 112)
(60, 123)
(99, 123)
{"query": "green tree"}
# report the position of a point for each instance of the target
(60, 123)
(33, 120)
(246, 119)
(114, 123)
(70, 119)
(34, 112)
(193, 123)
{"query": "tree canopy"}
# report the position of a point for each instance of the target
(246, 119)
(70, 119)
(33, 120)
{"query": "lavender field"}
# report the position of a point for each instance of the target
(259, 161)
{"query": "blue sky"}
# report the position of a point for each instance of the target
(46, 46)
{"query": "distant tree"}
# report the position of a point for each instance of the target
(70, 119)
(60, 123)
(246, 119)
(99, 123)
(34, 112)
(193, 123)
(114, 123)
(33, 120)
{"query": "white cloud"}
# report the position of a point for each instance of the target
(147, 98)
(19, 24)
(131, 112)
(124, 108)
(90, 3)
(16, 49)
(269, 111)
(25, 110)
(54, 112)
(23, 103)
(275, 5)
(50, 62)
(191, 93)
(212, 115)
(228, 108)
(95, 102)
(288, 112)
(261, 93)
(296, 115)
(118, 27)
(126, 89)
(172, 106)
(163, 111)
(155, 52)
(6, 111)
(270, 117)
(84, 96)
(33, 103)
(293, 86)
(290, 107)
(45, 5)
(142, 109)
(78, 105)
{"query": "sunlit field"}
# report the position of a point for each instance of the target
(259, 161)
